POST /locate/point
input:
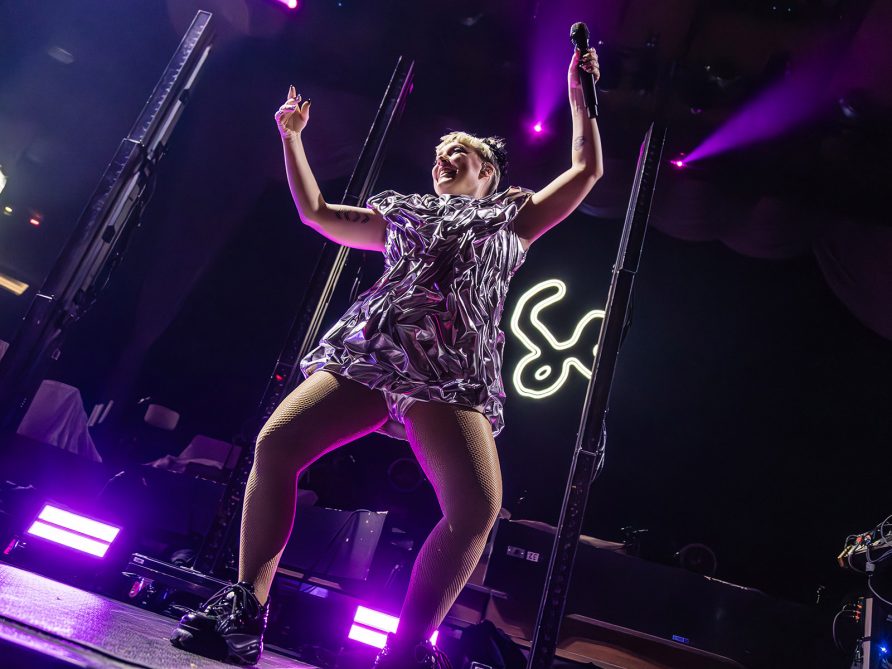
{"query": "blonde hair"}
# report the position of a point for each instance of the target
(491, 150)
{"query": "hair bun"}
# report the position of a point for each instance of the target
(499, 150)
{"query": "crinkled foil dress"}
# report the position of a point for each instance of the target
(428, 329)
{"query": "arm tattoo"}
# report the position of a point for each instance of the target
(352, 216)
(578, 143)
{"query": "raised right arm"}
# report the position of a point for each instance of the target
(356, 227)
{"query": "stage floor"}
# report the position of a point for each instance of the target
(44, 623)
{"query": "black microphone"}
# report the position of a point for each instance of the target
(579, 38)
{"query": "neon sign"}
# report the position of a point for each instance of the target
(546, 353)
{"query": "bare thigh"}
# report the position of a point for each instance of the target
(323, 412)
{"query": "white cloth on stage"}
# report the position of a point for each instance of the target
(201, 450)
(56, 416)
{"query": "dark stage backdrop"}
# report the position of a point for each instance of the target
(746, 414)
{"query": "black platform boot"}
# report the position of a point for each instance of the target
(399, 655)
(228, 627)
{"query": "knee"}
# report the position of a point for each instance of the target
(476, 513)
(269, 447)
(277, 446)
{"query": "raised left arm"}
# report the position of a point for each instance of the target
(551, 205)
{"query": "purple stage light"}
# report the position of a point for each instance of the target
(375, 619)
(807, 91)
(367, 636)
(538, 127)
(82, 524)
(66, 538)
(371, 627)
(549, 50)
(679, 163)
(69, 529)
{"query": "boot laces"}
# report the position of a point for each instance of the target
(435, 658)
(229, 599)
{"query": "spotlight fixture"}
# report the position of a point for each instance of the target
(537, 127)
(679, 161)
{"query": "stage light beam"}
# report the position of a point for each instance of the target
(798, 98)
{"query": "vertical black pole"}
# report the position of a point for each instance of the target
(589, 442)
(99, 237)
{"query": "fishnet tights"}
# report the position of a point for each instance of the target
(454, 446)
(325, 411)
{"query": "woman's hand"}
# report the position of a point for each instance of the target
(588, 61)
(292, 117)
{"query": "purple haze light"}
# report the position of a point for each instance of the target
(808, 90)
(537, 127)
(550, 49)
(371, 627)
(70, 529)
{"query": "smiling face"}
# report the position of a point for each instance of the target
(460, 170)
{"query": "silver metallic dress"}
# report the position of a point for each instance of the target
(428, 329)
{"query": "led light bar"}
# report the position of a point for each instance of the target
(12, 285)
(69, 529)
(367, 636)
(371, 627)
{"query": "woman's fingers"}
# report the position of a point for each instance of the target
(291, 117)
(293, 95)
(589, 61)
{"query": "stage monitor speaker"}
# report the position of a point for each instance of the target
(660, 603)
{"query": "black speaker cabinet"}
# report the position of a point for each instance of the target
(617, 596)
